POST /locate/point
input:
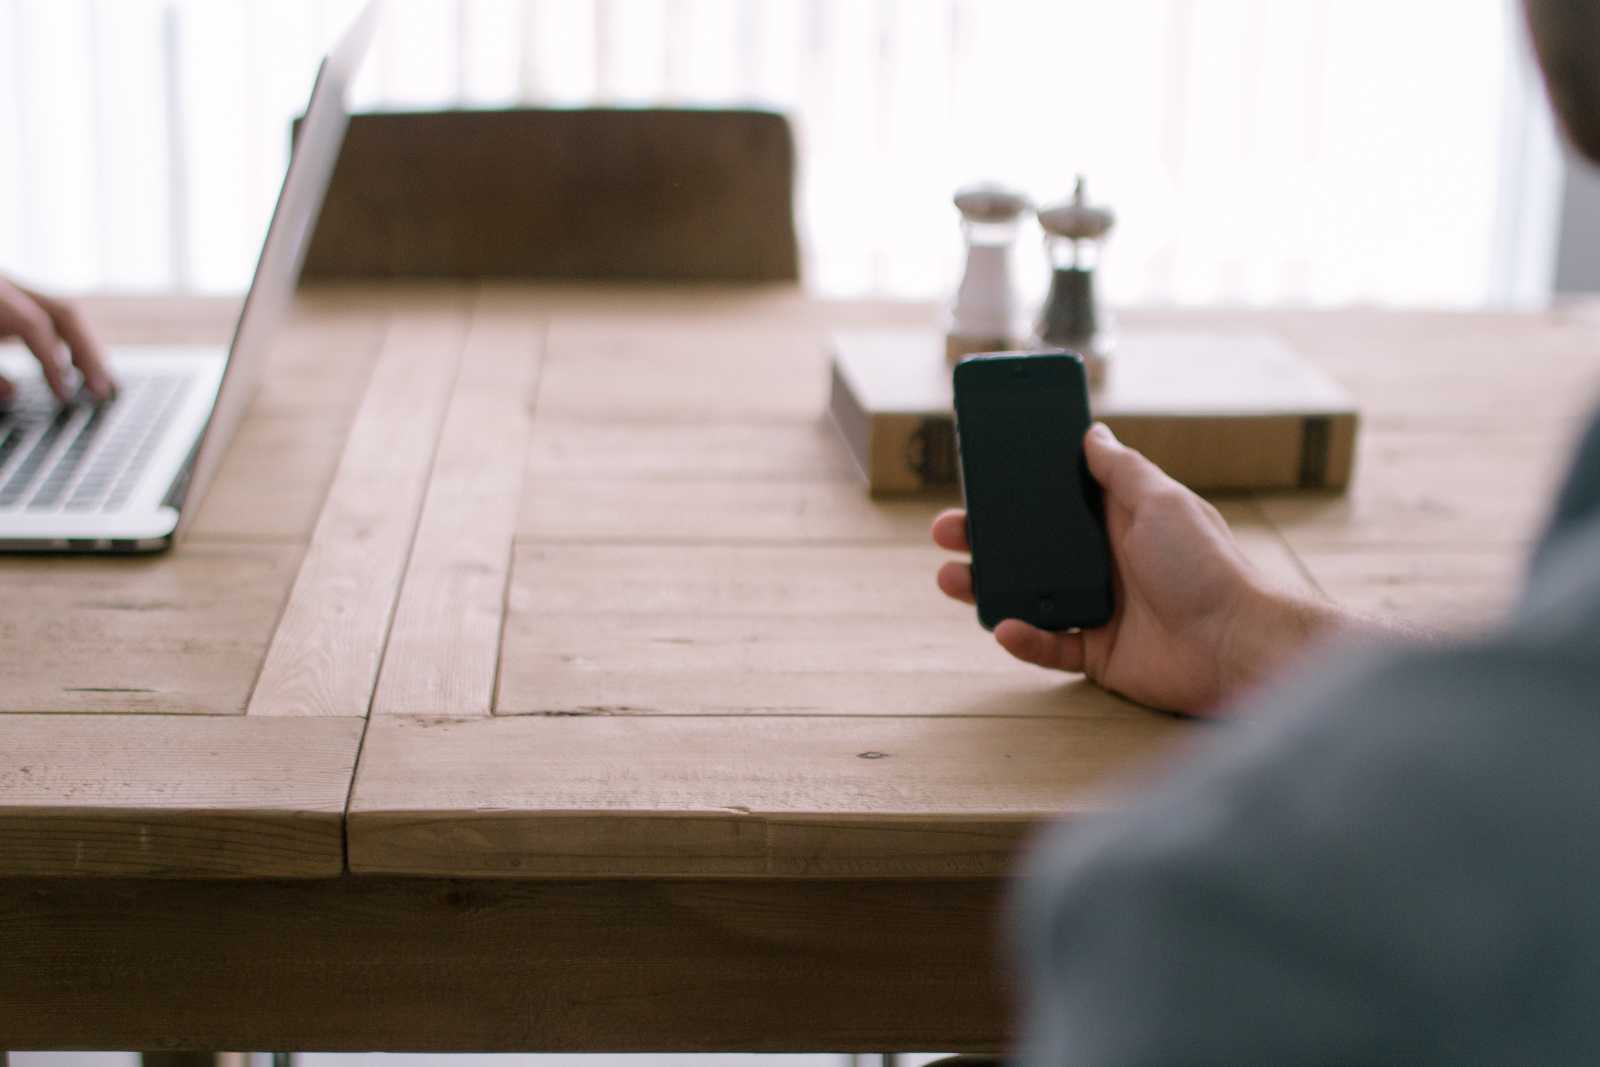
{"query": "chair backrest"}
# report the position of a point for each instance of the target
(591, 193)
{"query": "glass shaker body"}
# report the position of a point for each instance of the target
(986, 302)
(1072, 316)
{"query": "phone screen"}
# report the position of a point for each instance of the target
(1040, 551)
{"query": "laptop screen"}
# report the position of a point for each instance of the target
(311, 162)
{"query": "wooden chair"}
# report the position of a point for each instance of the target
(691, 195)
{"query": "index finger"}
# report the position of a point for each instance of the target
(87, 353)
(23, 316)
(950, 530)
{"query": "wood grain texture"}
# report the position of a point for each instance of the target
(701, 368)
(184, 632)
(784, 507)
(658, 511)
(988, 683)
(1450, 589)
(272, 480)
(325, 655)
(731, 693)
(1264, 546)
(173, 796)
(591, 193)
(1434, 531)
(1426, 481)
(717, 451)
(805, 628)
(1477, 365)
(754, 630)
(276, 472)
(445, 642)
(639, 796)
(430, 965)
(323, 357)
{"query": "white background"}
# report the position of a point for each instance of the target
(1256, 151)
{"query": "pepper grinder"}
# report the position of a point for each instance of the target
(1075, 232)
(983, 318)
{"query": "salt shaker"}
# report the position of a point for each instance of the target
(1075, 232)
(983, 318)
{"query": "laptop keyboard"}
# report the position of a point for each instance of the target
(86, 457)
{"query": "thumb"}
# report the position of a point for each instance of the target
(1122, 472)
(1099, 446)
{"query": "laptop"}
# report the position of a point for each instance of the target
(127, 474)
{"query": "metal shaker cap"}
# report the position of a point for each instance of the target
(1076, 218)
(989, 202)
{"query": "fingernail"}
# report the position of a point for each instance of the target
(1103, 432)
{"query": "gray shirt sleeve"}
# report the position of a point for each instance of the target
(1397, 860)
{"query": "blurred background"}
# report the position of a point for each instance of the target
(1310, 152)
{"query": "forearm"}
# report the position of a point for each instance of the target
(1273, 629)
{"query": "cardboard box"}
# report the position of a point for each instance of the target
(1217, 411)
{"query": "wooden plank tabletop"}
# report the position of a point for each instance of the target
(538, 676)
(125, 747)
(585, 578)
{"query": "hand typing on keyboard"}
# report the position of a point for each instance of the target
(48, 326)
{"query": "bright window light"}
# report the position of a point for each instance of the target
(1255, 151)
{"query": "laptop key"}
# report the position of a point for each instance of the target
(49, 493)
(22, 478)
(8, 446)
(53, 458)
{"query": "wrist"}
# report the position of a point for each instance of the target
(1269, 629)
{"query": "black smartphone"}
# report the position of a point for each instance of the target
(1035, 516)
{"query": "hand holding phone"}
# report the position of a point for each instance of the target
(1035, 518)
(1194, 623)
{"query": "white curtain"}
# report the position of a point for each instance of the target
(1256, 151)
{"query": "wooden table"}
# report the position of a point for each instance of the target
(632, 724)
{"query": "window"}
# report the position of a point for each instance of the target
(1256, 151)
